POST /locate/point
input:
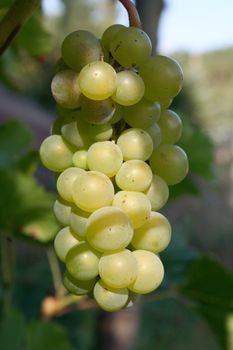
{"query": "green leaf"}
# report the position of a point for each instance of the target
(12, 330)
(47, 335)
(210, 285)
(34, 38)
(15, 137)
(25, 206)
(199, 149)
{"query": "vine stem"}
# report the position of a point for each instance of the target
(8, 264)
(14, 19)
(56, 273)
(134, 19)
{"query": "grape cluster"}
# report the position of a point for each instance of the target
(113, 145)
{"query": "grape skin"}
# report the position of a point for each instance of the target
(110, 299)
(118, 269)
(65, 182)
(158, 192)
(63, 242)
(62, 211)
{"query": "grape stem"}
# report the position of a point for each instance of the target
(14, 19)
(134, 19)
(56, 273)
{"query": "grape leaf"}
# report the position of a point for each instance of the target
(15, 138)
(12, 329)
(25, 206)
(210, 285)
(47, 335)
(34, 38)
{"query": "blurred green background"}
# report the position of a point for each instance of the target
(194, 307)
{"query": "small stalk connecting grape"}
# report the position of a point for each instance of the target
(113, 146)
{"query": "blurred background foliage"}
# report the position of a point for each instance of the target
(194, 307)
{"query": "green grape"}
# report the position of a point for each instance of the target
(135, 144)
(80, 48)
(65, 89)
(110, 299)
(118, 114)
(150, 272)
(76, 134)
(165, 103)
(60, 65)
(155, 133)
(135, 204)
(55, 154)
(63, 242)
(80, 159)
(82, 262)
(118, 269)
(108, 35)
(129, 88)
(109, 229)
(142, 115)
(105, 157)
(92, 190)
(130, 47)
(154, 235)
(158, 192)
(78, 222)
(97, 80)
(101, 132)
(65, 116)
(134, 175)
(171, 126)
(78, 287)
(97, 112)
(170, 162)
(163, 78)
(65, 182)
(62, 211)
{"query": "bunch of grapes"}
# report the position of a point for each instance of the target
(113, 147)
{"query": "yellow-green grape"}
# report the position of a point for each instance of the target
(143, 114)
(97, 112)
(109, 229)
(170, 162)
(171, 126)
(150, 272)
(63, 242)
(55, 154)
(60, 65)
(65, 89)
(118, 269)
(118, 114)
(163, 78)
(97, 80)
(80, 48)
(129, 88)
(62, 211)
(78, 287)
(78, 222)
(82, 262)
(109, 34)
(135, 204)
(65, 182)
(135, 144)
(110, 299)
(155, 133)
(165, 102)
(154, 235)
(76, 134)
(105, 157)
(80, 159)
(92, 190)
(134, 175)
(101, 132)
(158, 192)
(130, 47)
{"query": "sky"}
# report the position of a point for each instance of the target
(186, 25)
